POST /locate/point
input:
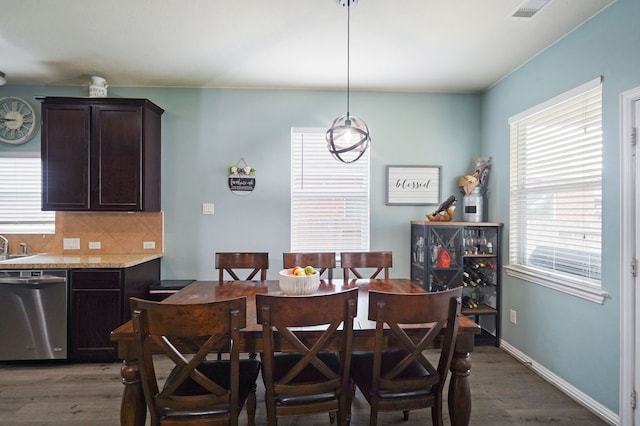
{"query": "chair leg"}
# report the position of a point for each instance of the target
(270, 403)
(373, 415)
(405, 415)
(344, 417)
(436, 415)
(349, 395)
(251, 407)
(272, 421)
(373, 420)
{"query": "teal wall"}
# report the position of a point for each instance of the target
(207, 130)
(576, 339)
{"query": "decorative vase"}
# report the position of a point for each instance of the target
(98, 87)
(472, 205)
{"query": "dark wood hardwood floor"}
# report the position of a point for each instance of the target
(504, 393)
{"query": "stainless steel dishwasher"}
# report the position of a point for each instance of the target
(33, 315)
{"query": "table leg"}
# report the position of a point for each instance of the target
(459, 390)
(133, 410)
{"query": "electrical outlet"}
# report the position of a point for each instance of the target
(149, 245)
(207, 208)
(71, 243)
(94, 245)
(513, 316)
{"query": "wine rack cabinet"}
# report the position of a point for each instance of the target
(452, 254)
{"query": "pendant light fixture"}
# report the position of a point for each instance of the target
(348, 138)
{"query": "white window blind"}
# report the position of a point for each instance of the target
(329, 199)
(556, 192)
(20, 196)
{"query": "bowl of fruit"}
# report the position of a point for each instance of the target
(299, 281)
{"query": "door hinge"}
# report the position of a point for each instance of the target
(634, 398)
(634, 136)
(634, 267)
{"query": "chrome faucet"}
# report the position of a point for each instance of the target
(5, 246)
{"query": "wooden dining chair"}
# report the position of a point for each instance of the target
(355, 262)
(191, 389)
(232, 262)
(314, 378)
(404, 379)
(321, 261)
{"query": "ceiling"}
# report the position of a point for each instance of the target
(395, 45)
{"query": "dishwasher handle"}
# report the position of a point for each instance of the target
(32, 280)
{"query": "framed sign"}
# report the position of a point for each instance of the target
(241, 178)
(242, 183)
(413, 185)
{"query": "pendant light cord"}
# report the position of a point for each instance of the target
(348, 52)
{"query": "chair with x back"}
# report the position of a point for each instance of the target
(321, 261)
(232, 262)
(315, 377)
(196, 390)
(354, 262)
(403, 378)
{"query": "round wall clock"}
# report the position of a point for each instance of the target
(18, 122)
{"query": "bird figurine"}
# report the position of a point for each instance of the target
(444, 212)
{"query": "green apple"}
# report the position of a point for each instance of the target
(309, 270)
(300, 272)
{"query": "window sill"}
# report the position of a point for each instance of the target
(574, 288)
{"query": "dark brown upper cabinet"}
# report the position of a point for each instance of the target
(100, 154)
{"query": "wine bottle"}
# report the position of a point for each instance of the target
(477, 277)
(482, 243)
(467, 280)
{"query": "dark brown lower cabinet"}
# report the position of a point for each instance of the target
(100, 303)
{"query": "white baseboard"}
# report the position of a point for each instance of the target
(574, 393)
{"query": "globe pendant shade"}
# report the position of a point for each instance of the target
(348, 138)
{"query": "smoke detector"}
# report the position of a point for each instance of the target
(529, 8)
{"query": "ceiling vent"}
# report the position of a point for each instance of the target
(528, 9)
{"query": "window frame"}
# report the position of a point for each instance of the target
(520, 266)
(358, 207)
(47, 225)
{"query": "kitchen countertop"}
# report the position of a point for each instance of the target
(67, 261)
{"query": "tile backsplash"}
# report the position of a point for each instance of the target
(115, 233)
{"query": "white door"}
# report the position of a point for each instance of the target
(629, 258)
(636, 247)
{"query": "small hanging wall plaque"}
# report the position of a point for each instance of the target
(241, 178)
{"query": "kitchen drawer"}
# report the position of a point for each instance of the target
(92, 279)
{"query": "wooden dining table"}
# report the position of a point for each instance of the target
(133, 410)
